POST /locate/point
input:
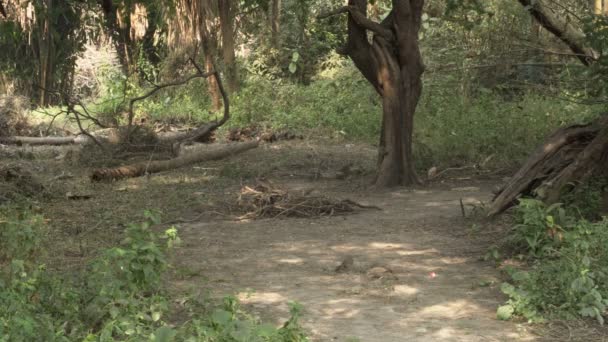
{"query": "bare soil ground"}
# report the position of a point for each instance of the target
(416, 276)
(417, 272)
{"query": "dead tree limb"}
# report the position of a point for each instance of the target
(140, 169)
(562, 28)
(570, 155)
(17, 140)
(201, 131)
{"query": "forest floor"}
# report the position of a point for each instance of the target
(418, 270)
(417, 273)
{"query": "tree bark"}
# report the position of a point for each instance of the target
(275, 23)
(543, 166)
(209, 44)
(46, 54)
(226, 10)
(17, 140)
(115, 23)
(392, 64)
(141, 169)
(598, 7)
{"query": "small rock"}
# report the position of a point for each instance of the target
(380, 272)
(346, 265)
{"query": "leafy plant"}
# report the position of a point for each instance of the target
(119, 297)
(569, 259)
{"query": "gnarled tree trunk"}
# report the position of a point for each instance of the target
(393, 65)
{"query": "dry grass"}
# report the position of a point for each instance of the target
(13, 120)
(17, 182)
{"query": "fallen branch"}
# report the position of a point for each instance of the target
(201, 131)
(38, 140)
(568, 156)
(267, 201)
(140, 169)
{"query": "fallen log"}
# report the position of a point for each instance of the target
(17, 140)
(140, 169)
(567, 158)
(102, 134)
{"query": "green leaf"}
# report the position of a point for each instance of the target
(507, 289)
(520, 276)
(293, 67)
(114, 312)
(505, 312)
(221, 317)
(164, 334)
(266, 330)
(295, 57)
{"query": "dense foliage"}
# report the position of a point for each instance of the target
(118, 297)
(496, 83)
(568, 262)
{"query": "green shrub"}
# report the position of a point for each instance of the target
(119, 297)
(21, 235)
(452, 128)
(568, 276)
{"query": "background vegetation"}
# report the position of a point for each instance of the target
(495, 86)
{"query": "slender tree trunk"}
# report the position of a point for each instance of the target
(226, 10)
(597, 8)
(275, 20)
(46, 55)
(124, 39)
(209, 43)
(148, 47)
(115, 23)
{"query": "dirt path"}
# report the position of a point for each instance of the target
(390, 294)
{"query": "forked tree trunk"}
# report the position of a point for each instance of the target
(393, 65)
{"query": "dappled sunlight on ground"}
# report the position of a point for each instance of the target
(414, 277)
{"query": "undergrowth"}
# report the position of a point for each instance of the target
(452, 128)
(568, 265)
(120, 295)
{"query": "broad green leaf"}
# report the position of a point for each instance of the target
(505, 312)
(293, 68)
(164, 334)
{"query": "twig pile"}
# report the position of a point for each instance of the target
(266, 201)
